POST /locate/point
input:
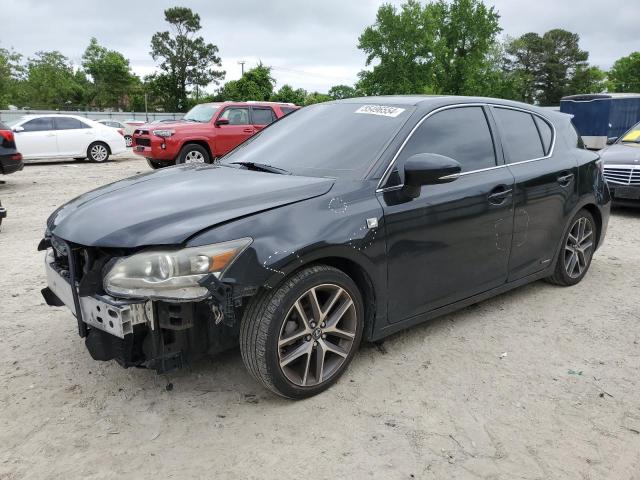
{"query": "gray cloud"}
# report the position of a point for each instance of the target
(310, 44)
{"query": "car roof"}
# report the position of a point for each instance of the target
(249, 103)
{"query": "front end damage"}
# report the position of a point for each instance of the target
(155, 334)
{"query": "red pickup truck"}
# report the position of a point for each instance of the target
(206, 132)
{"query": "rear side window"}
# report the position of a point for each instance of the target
(459, 133)
(66, 123)
(38, 124)
(546, 133)
(520, 135)
(263, 116)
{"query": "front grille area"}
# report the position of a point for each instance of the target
(622, 175)
(145, 142)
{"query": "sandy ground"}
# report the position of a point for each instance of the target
(540, 383)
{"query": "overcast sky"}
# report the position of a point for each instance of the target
(309, 44)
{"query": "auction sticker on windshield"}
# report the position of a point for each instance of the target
(383, 110)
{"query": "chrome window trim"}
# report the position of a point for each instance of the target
(387, 171)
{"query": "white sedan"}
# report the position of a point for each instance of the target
(39, 136)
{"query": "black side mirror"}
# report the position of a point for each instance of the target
(428, 169)
(612, 140)
(222, 121)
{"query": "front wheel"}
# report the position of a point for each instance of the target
(193, 154)
(98, 152)
(298, 339)
(576, 252)
(128, 141)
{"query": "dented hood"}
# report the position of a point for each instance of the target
(172, 204)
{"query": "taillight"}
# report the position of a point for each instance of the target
(121, 131)
(7, 135)
(16, 156)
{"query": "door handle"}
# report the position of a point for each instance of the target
(565, 180)
(499, 194)
(248, 130)
(51, 134)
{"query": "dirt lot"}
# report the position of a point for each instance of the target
(540, 383)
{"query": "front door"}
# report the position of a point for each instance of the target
(453, 241)
(38, 139)
(238, 129)
(544, 185)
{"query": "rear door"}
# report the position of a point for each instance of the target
(38, 139)
(453, 241)
(74, 136)
(261, 117)
(235, 132)
(545, 188)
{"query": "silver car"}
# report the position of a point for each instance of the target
(622, 167)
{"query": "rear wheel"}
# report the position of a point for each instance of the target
(98, 152)
(298, 339)
(578, 246)
(193, 153)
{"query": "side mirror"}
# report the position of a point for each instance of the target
(222, 121)
(18, 129)
(430, 168)
(611, 140)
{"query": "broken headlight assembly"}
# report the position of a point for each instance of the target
(165, 274)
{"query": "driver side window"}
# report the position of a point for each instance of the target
(236, 116)
(461, 133)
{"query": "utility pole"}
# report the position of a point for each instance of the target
(146, 109)
(241, 63)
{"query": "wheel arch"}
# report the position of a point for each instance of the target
(197, 141)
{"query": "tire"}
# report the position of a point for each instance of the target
(576, 251)
(273, 332)
(128, 140)
(193, 153)
(156, 165)
(98, 152)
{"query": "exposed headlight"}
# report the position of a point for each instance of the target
(164, 132)
(171, 274)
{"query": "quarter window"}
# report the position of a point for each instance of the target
(546, 134)
(263, 116)
(459, 133)
(67, 123)
(38, 124)
(236, 116)
(520, 135)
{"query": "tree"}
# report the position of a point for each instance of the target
(524, 57)
(11, 72)
(339, 92)
(289, 95)
(256, 84)
(587, 79)
(625, 74)
(438, 48)
(186, 59)
(52, 83)
(316, 97)
(112, 78)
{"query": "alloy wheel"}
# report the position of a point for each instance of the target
(99, 153)
(317, 335)
(579, 247)
(194, 156)
(128, 141)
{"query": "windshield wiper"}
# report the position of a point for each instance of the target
(262, 167)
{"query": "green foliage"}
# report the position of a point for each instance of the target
(316, 97)
(339, 92)
(441, 47)
(625, 74)
(185, 59)
(290, 95)
(256, 84)
(588, 79)
(11, 72)
(113, 81)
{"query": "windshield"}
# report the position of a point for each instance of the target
(340, 140)
(632, 135)
(202, 113)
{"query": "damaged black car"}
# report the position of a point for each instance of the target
(347, 221)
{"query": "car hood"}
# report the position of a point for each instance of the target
(172, 204)
(619, 154)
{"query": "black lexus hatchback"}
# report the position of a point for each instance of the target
(349, 220)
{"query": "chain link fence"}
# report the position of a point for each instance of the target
(8, 115)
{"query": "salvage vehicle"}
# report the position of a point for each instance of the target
(349, 220)
(622, 167)
(62, 136)
(10, 158)
(208, 131)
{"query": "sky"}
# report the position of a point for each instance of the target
(309, 44)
